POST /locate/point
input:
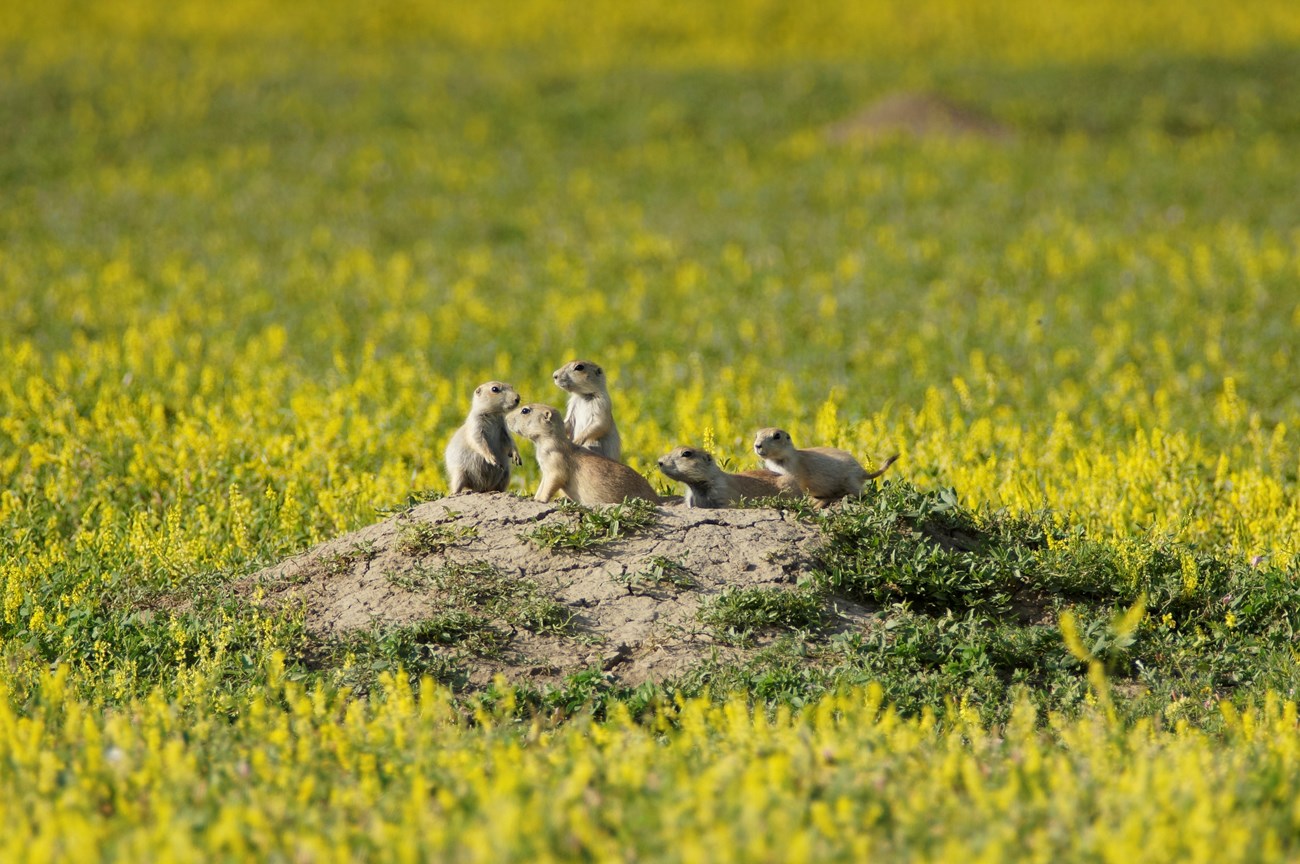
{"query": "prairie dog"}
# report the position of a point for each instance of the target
(478, 456)
(707, 485)
(589, 418)
(825, 474)
(584, 476)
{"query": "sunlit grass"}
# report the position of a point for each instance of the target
(313, 775)
(254, 260)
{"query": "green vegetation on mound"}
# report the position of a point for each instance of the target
(966, 606)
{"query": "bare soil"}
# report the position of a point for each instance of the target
(624, 615)
(917, 115)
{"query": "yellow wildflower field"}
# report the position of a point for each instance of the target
(254, 258)
(300, 775)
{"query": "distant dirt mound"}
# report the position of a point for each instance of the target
(500, 602)
(920, 115)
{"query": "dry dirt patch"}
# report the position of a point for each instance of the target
(918, 115)
(630, 605)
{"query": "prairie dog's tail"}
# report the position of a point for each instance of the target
(883, 467)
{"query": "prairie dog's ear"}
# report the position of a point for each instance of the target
(478, 390)
(548, 415)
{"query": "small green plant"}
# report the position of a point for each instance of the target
(586, 527)
(451, 628)
(803, 508)
(425, 538)
(537, 613)
(335, 564)
(737, 614)
(472, 582)
(660, 572)
(477, 583)
(483, 589)
(413, 499)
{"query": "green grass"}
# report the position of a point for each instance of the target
(660, 573)
(588, 527)
(339, 563)
(438, 647)
(255, 258)
(968, 605)
(482, 588)
(738, 614)
(428, 538)
(274, 268)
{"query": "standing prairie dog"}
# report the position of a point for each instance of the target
(825, 474)
(584, 476)
(479, 454)
(707, 485)
(589, 419)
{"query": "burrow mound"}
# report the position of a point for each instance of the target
(917, 115)
(506, 604)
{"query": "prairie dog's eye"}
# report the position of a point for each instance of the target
(687, 454)
(579, 368)
(496, 389)
(525, 410)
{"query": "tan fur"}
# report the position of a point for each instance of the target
(825, 474)
(582, 475)
(589, 418)
(479, 454)
(707, 485)
(788, 486)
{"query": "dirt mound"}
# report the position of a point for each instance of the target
(501, 584)
(920, 115)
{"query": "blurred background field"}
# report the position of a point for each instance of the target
(270, 251)
(254, 259)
